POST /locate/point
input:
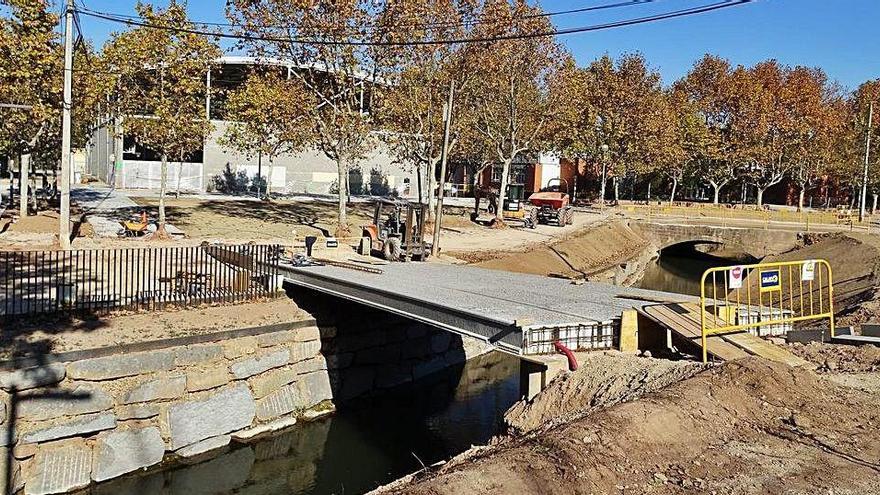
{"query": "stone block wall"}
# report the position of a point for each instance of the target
(90, 417)
(70, 423)
(385, 351)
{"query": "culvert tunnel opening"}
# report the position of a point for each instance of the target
(679, 267)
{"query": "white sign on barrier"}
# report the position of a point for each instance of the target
(808, 270)
(736, 277)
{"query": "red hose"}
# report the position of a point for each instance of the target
(572, 361)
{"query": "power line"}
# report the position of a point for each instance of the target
(430, 25)
(454, 41)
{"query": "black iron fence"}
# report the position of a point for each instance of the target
(99, 280)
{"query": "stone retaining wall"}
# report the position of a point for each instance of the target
(69, 423)
(386, 351)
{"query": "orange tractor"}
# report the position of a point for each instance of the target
(553, 204)
(397, 231)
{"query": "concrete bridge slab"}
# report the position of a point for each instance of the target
(494, 306)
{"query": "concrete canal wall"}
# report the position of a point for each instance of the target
(95, 415)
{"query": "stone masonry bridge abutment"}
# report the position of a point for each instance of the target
(756, 242)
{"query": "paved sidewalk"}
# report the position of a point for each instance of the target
(105, 208)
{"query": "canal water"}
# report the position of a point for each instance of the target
(359, 448)
(679, 269)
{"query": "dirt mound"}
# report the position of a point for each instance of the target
(748, 426)
(42, 223)
(839, 358)
(855, 260)
(601, 381)
(583, 254)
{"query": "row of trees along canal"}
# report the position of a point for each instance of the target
(380, 71)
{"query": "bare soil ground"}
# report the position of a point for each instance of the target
(585, 252)
(260, 220)
(745, 427)
(29, 232)
(64, 333)
(832, 358)
(607, 378)
(474, 243)
(852, 366)
(855, 259)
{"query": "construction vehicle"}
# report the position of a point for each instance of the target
(397, 231)
(514, 210)
(553, 204)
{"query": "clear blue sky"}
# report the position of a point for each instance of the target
(840, 36)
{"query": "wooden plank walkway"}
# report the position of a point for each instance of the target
(686, 324)
(684, 320)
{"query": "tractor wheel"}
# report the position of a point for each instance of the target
(560, 217)
(569, 217)
(533, 218)
(392, 249)
(365, 248)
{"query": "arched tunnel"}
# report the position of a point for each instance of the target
(679, 266)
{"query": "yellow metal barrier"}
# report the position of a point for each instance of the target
(779, 295)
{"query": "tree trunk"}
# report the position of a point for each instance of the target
(603, 180)
(430, 188)
(874, 206)
(341, 219)
(179, 176)
(11, 183)
(760, 201)
(23, 180)
(502, 190)
(161, 233)
(801, 197)
(616, 190)
(674, 187)
(10, 166)
(717, 188)
(649, 191)
(269, 182)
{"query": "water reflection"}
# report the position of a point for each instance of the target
(680, 269)
(358, 448)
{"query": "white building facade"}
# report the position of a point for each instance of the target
(115, 159)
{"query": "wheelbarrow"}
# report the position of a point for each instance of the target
(134, 229)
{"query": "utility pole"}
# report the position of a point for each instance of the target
(64, 222)
(438, 216)
(867, 158)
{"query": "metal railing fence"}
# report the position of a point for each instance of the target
(100, 280)
(782, 294)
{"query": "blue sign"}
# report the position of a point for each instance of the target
(770, 280)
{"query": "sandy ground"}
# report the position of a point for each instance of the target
(832, 358)
(280, 220)
(471, 242)
(607, 378)
(64, 333)
(584, 252)
(745, 427)
(852, 366)
(855, 259)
